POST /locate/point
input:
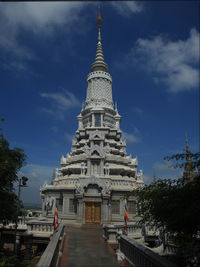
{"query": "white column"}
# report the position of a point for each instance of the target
(80, 209)
(105, 211)
(43, 207)
(88, 167)
(101, 120)
(101, 167)
(65, 206)
(93, 120)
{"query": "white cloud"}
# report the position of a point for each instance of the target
(54, 129)
(137, 110)
(38, 15)
(147, 179)
(174, 63)
(166, 171)
(61, 102)
(69, 137)
(132, 137)
(37, 175)
(126, 8)
(65, 101)
(162, 166)
(41, 19)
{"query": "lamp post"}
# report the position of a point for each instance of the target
(22, 183)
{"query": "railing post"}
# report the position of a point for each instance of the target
(17, 243)
(28, 243)
(110, 233)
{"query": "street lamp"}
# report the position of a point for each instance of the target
(22, 183)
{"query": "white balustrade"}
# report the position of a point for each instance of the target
(40, 227)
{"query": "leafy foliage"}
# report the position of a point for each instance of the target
(7, 260)
(11, 160)
(171, 204)
(180, 160)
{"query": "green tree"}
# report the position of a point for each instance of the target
(173, 205)
(187, 160)
(8, 260)
(11, 161)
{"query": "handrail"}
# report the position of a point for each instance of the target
(141, 256)
(51, 253)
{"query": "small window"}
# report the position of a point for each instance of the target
(115, 206)
(71, 205)
(97, 118)
(131, 207)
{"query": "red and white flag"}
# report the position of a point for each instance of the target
(126, 217)
(55, 221)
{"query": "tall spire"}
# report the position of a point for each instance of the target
(188, 158)
(189, 167)
(99, 63)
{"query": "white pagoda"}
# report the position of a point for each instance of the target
(95, 177)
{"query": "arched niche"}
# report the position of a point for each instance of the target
(93, 189)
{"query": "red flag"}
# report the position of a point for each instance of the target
(126, 217)
(55, 221)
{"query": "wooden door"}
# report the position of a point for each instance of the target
(97, 212)
(92, 212)
(88, 212)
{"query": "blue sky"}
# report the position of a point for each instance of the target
(152, 51)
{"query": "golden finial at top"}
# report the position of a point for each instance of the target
(99, 18)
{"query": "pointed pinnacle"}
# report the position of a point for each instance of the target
(99, 63)
(99, 19)
(186, 142)
(188, 158)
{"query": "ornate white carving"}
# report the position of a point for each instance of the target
(99, 90)
(57, 173)
(96, 151)
(101, 74)
(107, 169)
(49, 203)
(96, 135)
(83, 168)
(107, 149)
(79, 189)
(44, 186)
(98, 103)
(63, 160)
(139, 175)
(86, 149)
(105, 186)
(134, 161)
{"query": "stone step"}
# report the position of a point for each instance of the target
(92, 226)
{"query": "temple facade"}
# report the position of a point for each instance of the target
(94, 178)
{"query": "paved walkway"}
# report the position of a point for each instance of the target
(84, 247)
